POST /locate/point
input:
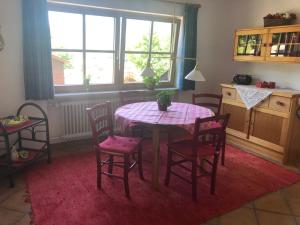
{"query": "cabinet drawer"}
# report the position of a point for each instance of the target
(229, 93)
(264, 103)
(280, 103)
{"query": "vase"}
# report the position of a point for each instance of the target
(162, 107)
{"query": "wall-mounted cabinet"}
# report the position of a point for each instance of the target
(249, 45)
(273, 44)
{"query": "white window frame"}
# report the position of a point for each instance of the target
(119, 47)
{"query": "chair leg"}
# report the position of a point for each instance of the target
(194, 180)
(140, 162)
(98, 160)
(142, 134)
(214, 174)
(168, 174)
(110, 165)
(11, 181)
(126, 171)
(223, 148)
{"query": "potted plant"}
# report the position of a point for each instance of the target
(87, 81)
(164, 100)
(151, 82)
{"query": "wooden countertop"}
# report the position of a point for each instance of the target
(289, 93)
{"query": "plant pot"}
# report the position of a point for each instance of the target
(162, 107)
(277, 22)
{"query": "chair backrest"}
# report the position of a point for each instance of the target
(128, 97)
(215, 125)
(100, 117)
(201, 100)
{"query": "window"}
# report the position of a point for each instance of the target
(109, 50)
(151, 41)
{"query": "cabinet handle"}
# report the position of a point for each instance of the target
(228, 93)
(280, 103)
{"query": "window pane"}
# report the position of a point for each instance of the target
(100, 67)
(100, 32)
(161, 40)
(137, 35)
(67, 68)
(66, 30)
(161, 65)
(133, 67)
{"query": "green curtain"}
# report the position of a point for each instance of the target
(189, 46)
(37, 50)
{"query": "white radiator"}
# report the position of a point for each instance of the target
(75, 123)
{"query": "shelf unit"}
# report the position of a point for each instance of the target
(33, 133)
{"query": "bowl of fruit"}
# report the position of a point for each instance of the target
(13, 121)
(279, 19)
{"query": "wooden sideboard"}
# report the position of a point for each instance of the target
(271, 129)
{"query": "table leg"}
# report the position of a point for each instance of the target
(156, 157)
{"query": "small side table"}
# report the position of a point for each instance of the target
(34, 131)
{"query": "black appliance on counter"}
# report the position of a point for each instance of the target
(242, 79)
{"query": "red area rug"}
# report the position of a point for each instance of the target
(64, 192)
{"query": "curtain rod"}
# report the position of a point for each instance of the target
(163, 1)
(108, 8)
(178, 2)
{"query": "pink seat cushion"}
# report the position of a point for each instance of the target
(118, 144)
(210, 125)
(184, 148)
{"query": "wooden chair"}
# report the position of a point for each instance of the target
(215, 105)
(192, 150)
(201, 100)
(100, 117)
(128, 97)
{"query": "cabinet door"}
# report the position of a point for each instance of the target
(268, 130)
(238, 124)
(250, 45)
(284, 44)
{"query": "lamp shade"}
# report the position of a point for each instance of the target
(148, 72)
(195, 74)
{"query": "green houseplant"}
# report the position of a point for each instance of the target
(151, 82)
(164, 99)
(87, 81)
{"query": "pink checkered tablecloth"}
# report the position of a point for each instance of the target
(179, 114)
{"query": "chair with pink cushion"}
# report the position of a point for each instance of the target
(110, 145)
(214, 102)
(189, 151)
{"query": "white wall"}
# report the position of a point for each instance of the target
(11, 60)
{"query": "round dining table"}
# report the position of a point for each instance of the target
(181, 115)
